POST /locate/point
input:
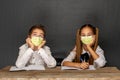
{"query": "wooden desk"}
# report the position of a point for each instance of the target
(106, 73)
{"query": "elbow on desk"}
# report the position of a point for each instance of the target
(100, 64)
(19, 65)
(52, 65)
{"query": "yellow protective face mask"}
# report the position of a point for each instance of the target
(86, 39)
(36, 40)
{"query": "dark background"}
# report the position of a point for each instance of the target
(62, 18)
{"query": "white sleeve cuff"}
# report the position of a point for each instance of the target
(100, 62)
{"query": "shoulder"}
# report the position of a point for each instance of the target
(99, 49)
(72, 53)
(24, 46)
(46, 47)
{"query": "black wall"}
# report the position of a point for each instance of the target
(62, 18)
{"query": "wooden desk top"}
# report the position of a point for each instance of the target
(106, 73)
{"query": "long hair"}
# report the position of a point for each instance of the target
(79, 44)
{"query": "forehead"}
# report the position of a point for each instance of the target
(86, 30)
(38, 31)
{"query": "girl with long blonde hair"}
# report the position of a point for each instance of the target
(87, 51)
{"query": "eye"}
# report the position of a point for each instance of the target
(83, 35)
(41, 36)
(34, 34)
(90, 34)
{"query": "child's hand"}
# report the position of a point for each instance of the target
(30, 44)
(84, 65)
(42, 44)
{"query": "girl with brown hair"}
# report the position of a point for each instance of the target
(34, 52)
(87, 51)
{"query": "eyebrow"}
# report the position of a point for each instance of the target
(88, 33)
(41, 33)
(36, 32)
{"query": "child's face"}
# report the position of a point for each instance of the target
(87, 36)
(37, 33)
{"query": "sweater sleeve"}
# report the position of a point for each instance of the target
(47, 57)
(70, 57)
(24, 56)
(100, 62)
